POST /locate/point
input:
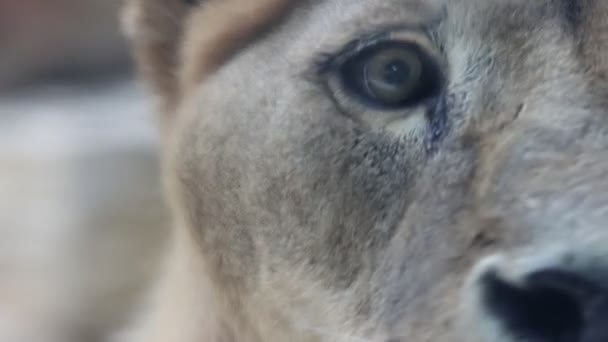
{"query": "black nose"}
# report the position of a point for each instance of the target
(550, 306)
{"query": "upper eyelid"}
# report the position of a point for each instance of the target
(327, 61)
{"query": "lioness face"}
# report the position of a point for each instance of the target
(399, 170)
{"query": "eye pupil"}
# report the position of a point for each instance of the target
(392, 75)
(397, 72)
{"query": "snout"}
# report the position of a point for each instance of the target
(555, 302)
(550, 282)
(550, 305)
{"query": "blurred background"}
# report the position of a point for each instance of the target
(82, 218)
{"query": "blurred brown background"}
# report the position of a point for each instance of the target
(59, 38)
(82, 220)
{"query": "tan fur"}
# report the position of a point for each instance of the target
(304, 214)
(228, 25)
(164, 34)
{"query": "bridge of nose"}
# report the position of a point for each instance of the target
(544, 195)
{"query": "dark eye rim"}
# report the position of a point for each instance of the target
(343, 64)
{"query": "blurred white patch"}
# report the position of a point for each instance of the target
(81, 212)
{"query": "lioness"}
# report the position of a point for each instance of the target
(411, 170)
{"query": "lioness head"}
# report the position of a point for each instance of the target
(398, 170)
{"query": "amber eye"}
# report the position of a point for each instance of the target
(391, 74)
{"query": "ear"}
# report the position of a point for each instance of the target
(155, 29)
(177, 43)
